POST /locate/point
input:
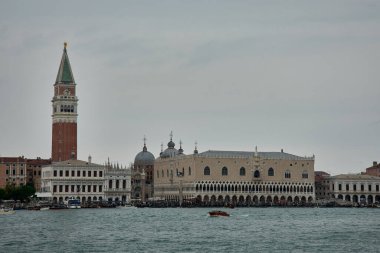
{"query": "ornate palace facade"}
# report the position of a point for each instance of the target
(234, 177)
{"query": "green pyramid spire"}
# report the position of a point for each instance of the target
(65, 75)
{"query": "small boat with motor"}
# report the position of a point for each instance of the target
(73, 203)
(218, 213)
(7, 211)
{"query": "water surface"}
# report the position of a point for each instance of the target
(191, 230)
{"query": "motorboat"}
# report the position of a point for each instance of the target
(7, 211)
(125, 206)
(73, 203)
(218, 213)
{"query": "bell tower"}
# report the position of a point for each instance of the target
(65, 104)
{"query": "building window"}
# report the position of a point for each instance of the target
(110, 184)
(67, 173)
(66, 188)
(100, 173)
(55, 173)
(73, 173)
(162, 173)
(14, 172)
(73, 188)
(84, 173)
(347, 187)
(124, 184)
(270, 172)
(339, 187)
(189, 171)
(242, 171)
(100, 188)
(224, 171)
(94, 188)
(362, 187)
(305, 174)
(60, 188)
(206, 171)
(95, 173)
(287, 174)
(61, 173)
(354, 187)
(54, 188)
(377, 187)
(117, 184)
(78, 173)
(89, 173)
(369, 188)
(22, 172)
(256, 174)
(83, 188)
(88, 188)
(7, 172)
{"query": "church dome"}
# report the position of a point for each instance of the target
(144, 157)
(170, 151)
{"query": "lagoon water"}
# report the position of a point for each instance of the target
(191, 230)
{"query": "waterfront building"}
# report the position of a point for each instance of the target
(14, 171)
(65, 104)
(33, 171)
(142, 175)
(117, 183)
(73, 178)
(86, 181)
(3, 176)
(322, 188)
(237, 177)
(374, 170)
(355, 188)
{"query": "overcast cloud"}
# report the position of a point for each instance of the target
(298, 75)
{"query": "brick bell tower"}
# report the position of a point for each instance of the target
(65, 104)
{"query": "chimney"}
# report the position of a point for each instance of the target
(374, 163)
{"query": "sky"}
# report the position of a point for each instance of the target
(302, 76)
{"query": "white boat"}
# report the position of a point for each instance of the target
(45, 208)
(125, 206)
(7, 211)
(73, 203)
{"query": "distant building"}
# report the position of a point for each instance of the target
(354, 188)
(237, 177)
(142, 175)
(73, 178)
(322, 188)
(374, 170)
(15, 171)
(20, 171)
(3, 176)
(117, 184)
(33, 171)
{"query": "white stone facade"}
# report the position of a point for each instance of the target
(73, 178)
(355, 188)
(117, 184)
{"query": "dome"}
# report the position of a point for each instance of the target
(144, 157)
(169, 152)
